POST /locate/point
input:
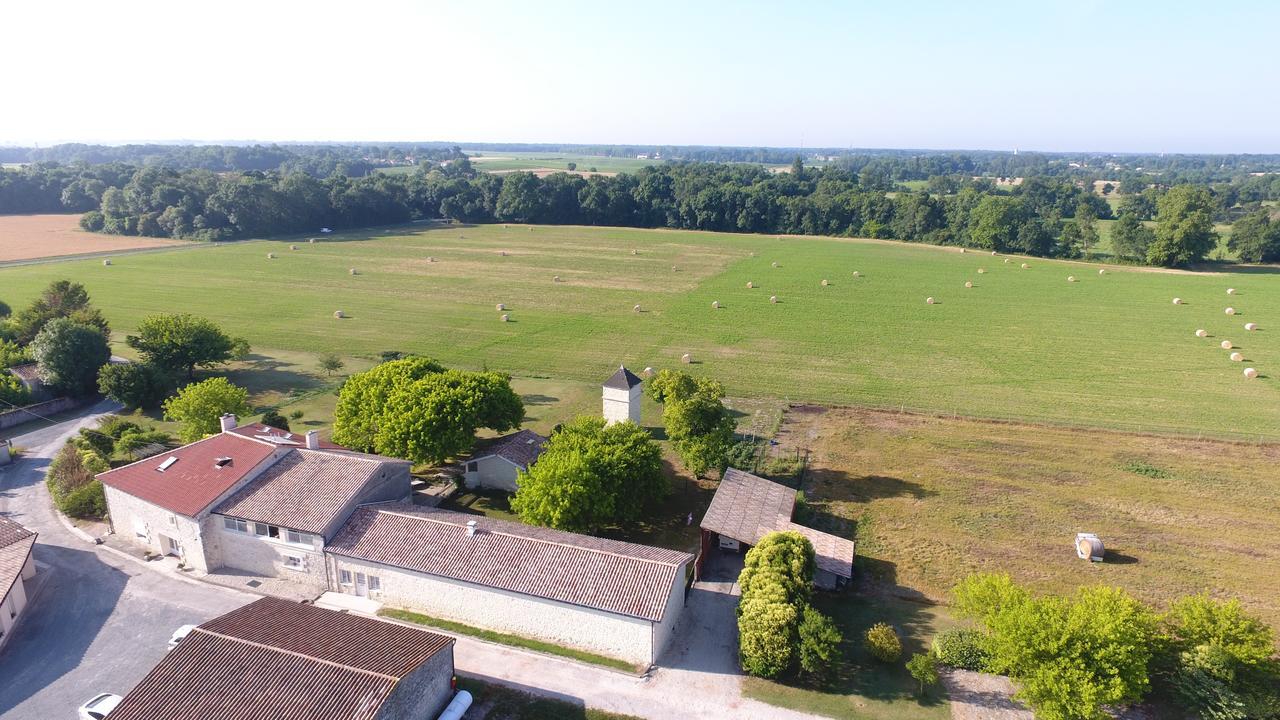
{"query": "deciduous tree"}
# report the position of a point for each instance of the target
(181, 342)
(198, 407)
(69, 356)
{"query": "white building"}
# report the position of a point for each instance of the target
(252, 498)
(17, 568)
(622, 396)
(613, 598)
(494, 464)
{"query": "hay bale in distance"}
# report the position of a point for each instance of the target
(857, 274)
(271, 256)
(106, 263)
(993, 252)
(1202, 333)
(686, 358)
(293, 247)
(715, 304)
(968, 284)
(824, 283)
(1071, 278)
(311, 240)
(773, 299)
(750, 285)
(647, 371)
(1230, 311)
(1007, 261)
(505, 317)
(929, 301)
(353, 271)
(1177, 301)
(1250, 373)
(962, 250)
(775, 264)
(1250, 326)
(636, 308)
(1226, 345)
(430, 259)
(1237, 357)
(339, 314)
(1231, 291)
(555, 279)
(673, 268)
(982, 271)
(1025, 266)
(501, 307)
(1102, 271)
(635, 252)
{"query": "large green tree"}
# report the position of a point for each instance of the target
(520, 198)
(181, 342)
(198, 406)
(61, 299)
(436, 417)
(363, 398)
(1256, 237)
(1219, 660)
(1130, 238)
(135, 384)
(69, 356)
(1184, 227)
(698, 424)
(591, 475)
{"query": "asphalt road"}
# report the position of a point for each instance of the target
(99, 622)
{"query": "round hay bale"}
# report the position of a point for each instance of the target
(1250, 373)
(673, 268)
(636, 308)
(504, 227)
(993, 252)
(857, 274)
(773, 299)
(1237, 357)
(1250, 326)
(339, 314)
(502, 253)
(824, 283)
(106, 263)
(555, 279)
(715, 304)
(686, 358)
(1231, 291)
(982, 271)
(1006, 261)
(501, 307)
(635, 252)
(505, 317)
(430, 259)
(751, 254)
(531, 229)
(1071, 278)
(1226, 345)
(968, 284)
(271, 256)
(647, 371)
(750, 285)
(1025, 266)
(1202, 333)
(929, 301)
(293, 247)
(353, 271)
(775, 264)
(1230, 311)
(1177, 301)
(1102, 271)
(962, 250)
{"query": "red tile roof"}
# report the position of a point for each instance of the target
(194, 482)
(15, 547)
(27, 373)
(609, 575)
(305, 490)
(278, 660)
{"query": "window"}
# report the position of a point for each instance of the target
(235, 525)
(273, 532)
(344, 577)
(294, 562)
(375, 583)
(259, 529)
(140, 529)
(298, 538)
(473, 466)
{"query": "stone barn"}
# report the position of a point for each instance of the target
(494, 464)
(747, 507)
(608, 597)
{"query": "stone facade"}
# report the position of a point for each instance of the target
(12, 604)
(622, 405)
(493, 472)
(424, 693)
(266, 556)
(153, 527)
(619, 636)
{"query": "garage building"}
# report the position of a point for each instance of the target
(17, 568)
(495, 463)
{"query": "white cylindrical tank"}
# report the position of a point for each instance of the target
(458, 707)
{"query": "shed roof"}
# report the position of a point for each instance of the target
(305, 490)
(519, 448)
(26, 372)
(747, 507)
(278, 660)
(15, 547)
(624, 379)
(618, 577)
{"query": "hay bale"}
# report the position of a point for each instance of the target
(555, 279)
(1177, 301)
(857, 274)
(982, 271)
(311, 240)
(1250, 373)
(293, 247)
(502, 253)
(773, 299)
(962, 250)
(968, 284)
(1226, 345)
(715, 304)
(928, 301)
(647, 371)
(1006, 261)
(1102, 271)
(635, 252)
(501, 307)
(1071, 278)
(430, 259)
(1230, 311)
(1250, 326)
(1236, 357)
(504, 227)
(636, 308)
(353, 271)
(750, 285)
(673, 268)
(106, 263)
(824, 283)
(339, 314)
(271, 256)
(1202, 333)
(504, 317)
(775, 264)
(686, 358)
(1025, 266)
(1231, 291)
(751, 254)
(993, 252)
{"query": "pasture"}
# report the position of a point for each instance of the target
(503, 161)
(1108, 350)
(26, 237)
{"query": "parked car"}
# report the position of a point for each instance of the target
(99, 707)
(180, 634)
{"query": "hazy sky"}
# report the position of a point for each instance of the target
(1086, 75)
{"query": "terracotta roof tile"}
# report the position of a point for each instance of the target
(15, 547)
(609, 575)
(520, 448)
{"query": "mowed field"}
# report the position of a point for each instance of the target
(25, 237)
(1109, 350)
(498, 161)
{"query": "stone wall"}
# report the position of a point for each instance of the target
(131, 515)
(424, 693)
(38, 411)
(265, 556)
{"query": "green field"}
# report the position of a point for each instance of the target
(1109, 350)
(486, 160)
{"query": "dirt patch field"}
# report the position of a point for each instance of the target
(26, 237)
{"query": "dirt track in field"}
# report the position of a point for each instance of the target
(25, 237)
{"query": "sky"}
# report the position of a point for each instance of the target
(1131, 76)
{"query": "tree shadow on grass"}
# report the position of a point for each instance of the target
(537, 399)
(260, 373)
(839, 485)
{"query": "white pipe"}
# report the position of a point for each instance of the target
(456, 709)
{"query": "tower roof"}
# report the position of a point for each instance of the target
(624, 379)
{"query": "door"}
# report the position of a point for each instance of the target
(362, 585)
(171, 546)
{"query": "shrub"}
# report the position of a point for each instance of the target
(786, 558)
(67, 471)
(135, 385)
(924, 668)
(883, 643)
(766, 637)
(12, 391)
(271, 418)
(819, 643)
(198, 406)
(87, 501)
(961, 649)
(295, 415)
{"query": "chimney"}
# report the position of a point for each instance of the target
(313, 439)
(471, 528)
(228, 422)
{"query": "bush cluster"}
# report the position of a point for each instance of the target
(883, 643)
(961, 648)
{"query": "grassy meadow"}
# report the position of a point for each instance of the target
(1109, 350)
(486, 160)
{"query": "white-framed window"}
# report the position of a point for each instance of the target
(297, 538)
(260, 529)
(294, 562)
(344, 577)
(140, 529)
(375, 583)
(235, 525)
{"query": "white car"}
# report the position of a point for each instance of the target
(99, 707)
(180, 634)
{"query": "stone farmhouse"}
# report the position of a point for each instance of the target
(494, 464)
(17, 568)
(275, 659)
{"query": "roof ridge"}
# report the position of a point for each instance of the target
(295, 653)
(170, 450)
(554, 542)
(362, 457)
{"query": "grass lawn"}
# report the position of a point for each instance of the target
(486, 160)
(934, 499)
(1106, 351)
(498, 702)
(863, 687)
(512, 640)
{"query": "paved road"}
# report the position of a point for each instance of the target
(99, 622)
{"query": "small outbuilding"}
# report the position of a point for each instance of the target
(17, 568)
(747, 507)
(621, 396)
(495, 463)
